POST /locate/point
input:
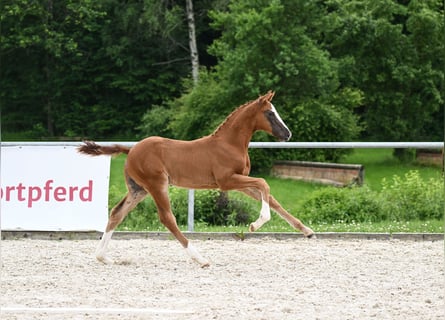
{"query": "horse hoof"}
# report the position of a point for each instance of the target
(104, 260)
(205, 265)
(251, 228)
(311, 236)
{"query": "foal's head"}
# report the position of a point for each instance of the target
(269, 120)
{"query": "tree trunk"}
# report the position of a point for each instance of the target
(48, 66)
(192, 41)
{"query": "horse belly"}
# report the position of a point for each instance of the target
(189, 174)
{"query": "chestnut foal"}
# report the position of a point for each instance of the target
(218, 161)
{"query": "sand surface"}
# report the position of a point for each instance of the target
(252, 279)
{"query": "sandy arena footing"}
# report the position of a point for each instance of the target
(259, 278)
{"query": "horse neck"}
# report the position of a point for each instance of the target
(238, 128)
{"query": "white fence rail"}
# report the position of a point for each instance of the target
(265, 145)
(269, 145)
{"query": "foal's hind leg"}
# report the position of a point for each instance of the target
(275, 205)
(118, 213)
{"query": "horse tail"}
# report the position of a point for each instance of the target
(93, 149)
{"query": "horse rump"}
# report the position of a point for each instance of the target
(93, 149)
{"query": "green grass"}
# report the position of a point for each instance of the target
(427, 226)
(379, 164)
(117, 179)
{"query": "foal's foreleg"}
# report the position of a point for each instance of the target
(261, 189)
(294, 222)
(264, 215)
(160, 196)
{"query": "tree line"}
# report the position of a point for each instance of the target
(107, 69)
(84, 68)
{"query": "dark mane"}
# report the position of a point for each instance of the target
(231, 115)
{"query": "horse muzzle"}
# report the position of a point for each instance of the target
(283, 135)
(279, 129)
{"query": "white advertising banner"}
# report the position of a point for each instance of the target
(53, 188)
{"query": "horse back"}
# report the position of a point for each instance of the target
(191, 164)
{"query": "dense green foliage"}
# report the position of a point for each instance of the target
(340, 68)
(401, 199)
(393, 51)
(83, 68)
(257, 52)
(212, 208)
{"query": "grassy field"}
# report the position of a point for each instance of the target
(379, 164)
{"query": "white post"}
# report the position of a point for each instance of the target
(191, 210)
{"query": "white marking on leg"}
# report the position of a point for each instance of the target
(279, 119)
(102, 248)
(196, 256)
(264, 216)
(309, 233)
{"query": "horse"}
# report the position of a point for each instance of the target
(217, 161)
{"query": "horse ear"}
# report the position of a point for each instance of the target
(267, 97)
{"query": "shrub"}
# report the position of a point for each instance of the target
(354, 204)
(401, 199)
(212, 207)
(413, 198)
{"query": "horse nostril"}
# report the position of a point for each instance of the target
(285, 136)
(289, 135)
